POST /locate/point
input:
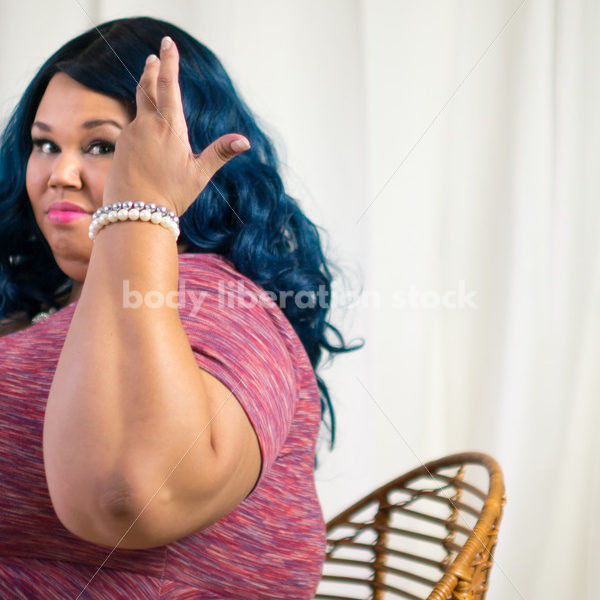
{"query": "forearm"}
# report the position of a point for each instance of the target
(127, 399)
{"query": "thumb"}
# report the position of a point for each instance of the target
(219, 152)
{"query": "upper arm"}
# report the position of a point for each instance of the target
(206, 489)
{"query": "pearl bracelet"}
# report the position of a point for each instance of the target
(134, 211)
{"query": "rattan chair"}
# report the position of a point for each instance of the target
(429, 534)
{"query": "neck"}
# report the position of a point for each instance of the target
(75, 292)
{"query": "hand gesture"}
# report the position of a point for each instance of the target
(153, 159)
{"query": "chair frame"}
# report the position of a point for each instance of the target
(465, 577)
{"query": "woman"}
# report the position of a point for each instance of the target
(159, 418)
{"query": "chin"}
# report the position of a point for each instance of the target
(73, 265)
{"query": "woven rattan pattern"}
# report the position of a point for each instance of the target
(429, 534)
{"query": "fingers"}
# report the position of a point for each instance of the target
(222, 150)
(167, 85)
(158, 92)
(145, 93)
(158, 89)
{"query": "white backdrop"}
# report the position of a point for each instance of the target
(449, 149)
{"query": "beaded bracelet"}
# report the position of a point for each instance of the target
(134, 211)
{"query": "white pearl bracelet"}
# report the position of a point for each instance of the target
(134, 211)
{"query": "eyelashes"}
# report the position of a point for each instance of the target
(40, 142)
(105, 146)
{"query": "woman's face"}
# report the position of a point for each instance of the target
(74, 134)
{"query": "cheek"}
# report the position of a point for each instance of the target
(34, 178)
(96, 178)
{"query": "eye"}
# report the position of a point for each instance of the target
(43, 146)
(96, 148)
(100, 147)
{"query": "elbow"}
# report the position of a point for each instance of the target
(113, 516)
(125, 515)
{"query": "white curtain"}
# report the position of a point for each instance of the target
(449, 149)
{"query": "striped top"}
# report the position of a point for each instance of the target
(271, 546)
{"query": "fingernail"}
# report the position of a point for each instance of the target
(240, 145)
(166, 43)
(151, 58)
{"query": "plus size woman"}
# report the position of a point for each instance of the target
(162, 312)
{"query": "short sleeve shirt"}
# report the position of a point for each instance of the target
(271, 546)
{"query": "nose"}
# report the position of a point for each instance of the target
(66, 172)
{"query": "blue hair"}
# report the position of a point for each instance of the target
(259, 228)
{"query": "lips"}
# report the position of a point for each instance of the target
(61, 213)
(68, 206)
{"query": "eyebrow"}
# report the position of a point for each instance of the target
(85, 125)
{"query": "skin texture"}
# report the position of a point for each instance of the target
(71, 165)
(141, 447)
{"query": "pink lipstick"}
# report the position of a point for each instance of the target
(61, 213)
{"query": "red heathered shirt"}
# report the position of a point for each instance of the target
(271, 546)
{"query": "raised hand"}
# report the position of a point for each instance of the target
(153, 159)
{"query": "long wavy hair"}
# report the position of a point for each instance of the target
(259, 228)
